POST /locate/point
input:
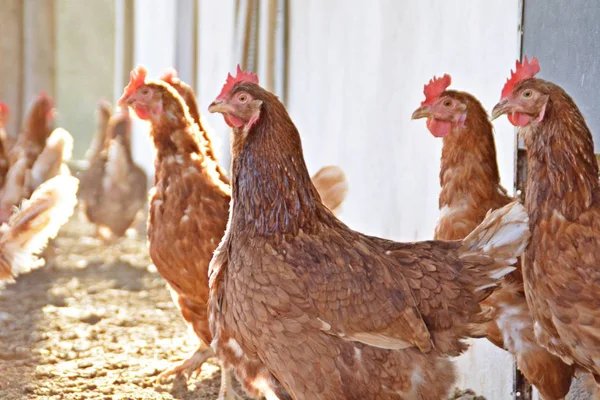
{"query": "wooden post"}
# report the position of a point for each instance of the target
(11, 61)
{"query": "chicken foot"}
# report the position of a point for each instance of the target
(190, 366)
(193, 365)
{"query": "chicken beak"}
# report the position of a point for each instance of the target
(421, 112)
(124, 101)
(219, 106)
(503, 107)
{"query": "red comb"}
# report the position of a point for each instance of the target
(435, 87)
(43, 96)
(137, 77)
(169, 75)
(241, 76)
(523, 71)
(4, 108)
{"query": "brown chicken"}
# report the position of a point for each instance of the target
(189, 206)
(16, 188)
(52, 160)
(4, 115)
(470, 187)
(330, 312)
(38, 220)
(562, 264)
(23, 177)
(114, 188)
(90, 183)
(99, 142)
(30, 143)
(37, 126)
(4, 142)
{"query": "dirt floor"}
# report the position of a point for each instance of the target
(96, 323)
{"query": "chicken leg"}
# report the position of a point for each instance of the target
(226, 392)
(189, 367)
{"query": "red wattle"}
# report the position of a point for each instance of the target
(142, 112)
(519, 119)
(439, 128)
(233, 121)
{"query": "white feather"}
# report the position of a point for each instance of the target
(38, 220)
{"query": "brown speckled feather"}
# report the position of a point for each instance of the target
(188, 213)
(3, 160)
(90, 188)
(103, 114)
(332, 313)
(37, 126)
(562, 264)
(30, 143)
(189, 97)
(470, 187)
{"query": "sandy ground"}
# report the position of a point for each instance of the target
(96, 323)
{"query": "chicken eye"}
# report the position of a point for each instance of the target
(242, 98)
(527, 94)
(145, 91)
(447, 103)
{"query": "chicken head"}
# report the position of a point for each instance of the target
(42, 112)
(238, 106)
(4, 113)
(523, 100)
(443, 109)
(146, 100)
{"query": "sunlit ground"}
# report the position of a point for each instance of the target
(96, 323)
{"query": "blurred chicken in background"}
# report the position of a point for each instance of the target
(36, 128)
(114, 188)
(39, 154)
(51, 161)
(4, 142)
(39, 219)
(103, 114)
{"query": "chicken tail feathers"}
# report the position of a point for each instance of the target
(59, 149)
(38, 220)
(332, 185)
(61, 141)
(491, 250)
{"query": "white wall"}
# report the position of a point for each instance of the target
(218, 54)
(357, 71)
(154, 48)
